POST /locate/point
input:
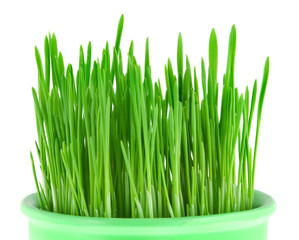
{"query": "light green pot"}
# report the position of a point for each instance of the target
(245, 225)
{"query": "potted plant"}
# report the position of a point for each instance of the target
(121, 159)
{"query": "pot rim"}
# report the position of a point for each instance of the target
(264, 207)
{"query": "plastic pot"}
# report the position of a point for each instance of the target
(245, 225)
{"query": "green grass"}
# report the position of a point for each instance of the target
(134, 151)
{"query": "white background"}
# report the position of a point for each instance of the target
(263, 29)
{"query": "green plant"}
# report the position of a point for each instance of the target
(123, 149)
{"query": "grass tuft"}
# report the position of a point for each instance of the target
(131, 151)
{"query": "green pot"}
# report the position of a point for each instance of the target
(245, 225)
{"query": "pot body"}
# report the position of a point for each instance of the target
(245, 225)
